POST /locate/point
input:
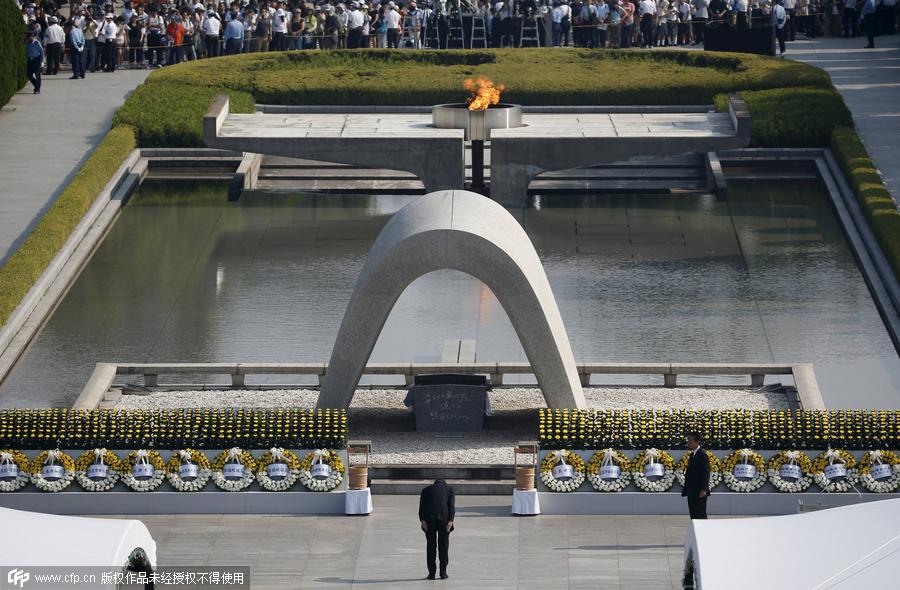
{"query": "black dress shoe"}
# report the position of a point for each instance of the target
(430, 577)
(445, 575)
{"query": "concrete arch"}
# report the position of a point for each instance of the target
(467, 232)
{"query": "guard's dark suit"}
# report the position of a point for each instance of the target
(696, 479)
(437, 507)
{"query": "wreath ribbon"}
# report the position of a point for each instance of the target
(99, 454)
(876, 456)
(608, 458)
(6, 458)
(560, 456)
(652, 456)
(185, 455)
(142, 456)
(319, 456)
(277, 454)
(234, 455)
(52, 456)
(792, 457)
(745, 455)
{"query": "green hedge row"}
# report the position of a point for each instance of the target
(873, 196)
(12, 50)
(27, 263)
(167, 109)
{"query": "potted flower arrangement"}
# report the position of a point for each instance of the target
(744, 470)
(97, 470)
(143, 470)
(562, 471)
(188, 470)
(15, 470)
(879, 471)
(790, 471)
(52, 471)
(608, 471)
(277, 470)
(715, 469)
(835, 471)
(653, 470)
(321, 470)
(233, 470)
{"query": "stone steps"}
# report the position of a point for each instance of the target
(461, 487)
(488, 480)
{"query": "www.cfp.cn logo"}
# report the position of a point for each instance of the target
(17, 577)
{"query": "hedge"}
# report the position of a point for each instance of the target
(27, 263)
(719, 429)
(12, 50)
(167, 108)
(874, 198)
(197, 428)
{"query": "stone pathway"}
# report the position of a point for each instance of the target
(46, 138)
(869, 81)
(489, 549)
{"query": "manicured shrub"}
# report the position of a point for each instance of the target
(873, 196)
(12, 50)
(27, 263)
(793, 117)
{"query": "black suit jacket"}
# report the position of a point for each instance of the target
(696, 476)
(437, 502)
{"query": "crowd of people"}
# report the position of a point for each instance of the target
(103, 37)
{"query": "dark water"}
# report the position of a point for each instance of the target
(765, 276)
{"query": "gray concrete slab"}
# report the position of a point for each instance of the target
(46, 138)
(489, 549)
(869, 81)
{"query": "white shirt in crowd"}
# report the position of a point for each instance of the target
(355, 19)
(54, 34)
(557, 15)
(392, 18)
(701, 8)
(780, 16)
(789, 4)
(279, 21)
(647, 7)
(740, 5)
(212, 26)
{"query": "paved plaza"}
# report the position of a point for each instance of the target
(46, 138)
(489, 549)
(869, 81)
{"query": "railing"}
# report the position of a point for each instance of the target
(101, 381)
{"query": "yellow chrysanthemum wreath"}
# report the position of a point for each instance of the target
(236, 456)
(715, 469)
(558, 457)
(17, 472)
(744, 457)
(608, 458)
(141, 480)
(92, 482)
(288, 467)
(886, 475)
(647, 457)
(827, 460)
(330, 458)
(183, 458)
(47, 459)
(790, 471)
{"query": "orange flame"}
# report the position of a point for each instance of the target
(484, 93)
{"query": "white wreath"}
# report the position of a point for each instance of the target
(786, 485)
(880, 486)
(609, 485)
(100, 485)
(561, 486)
(644, 484)
(234, 485)
(57, 485)
(739, 485)
(836, 487)
(22, 476)
(273, 485)
(144, 485)
(320, 485)
(189, 486)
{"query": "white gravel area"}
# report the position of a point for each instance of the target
(502, 398)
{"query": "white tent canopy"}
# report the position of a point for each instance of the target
(843, 548)
(36, 539)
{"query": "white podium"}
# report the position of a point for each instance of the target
(525, 502)
(358, 501)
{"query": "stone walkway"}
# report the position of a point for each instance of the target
(869, 81)
(489, 549)
(46, 138)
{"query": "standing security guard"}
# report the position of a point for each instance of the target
(437, 508)
(696, 478)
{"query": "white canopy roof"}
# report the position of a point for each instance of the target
(845, 548)
(36, 539)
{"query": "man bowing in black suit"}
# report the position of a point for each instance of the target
(696, 478)
(437, 508)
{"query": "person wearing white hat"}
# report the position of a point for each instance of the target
(109, 30)
(54, 37)
(393, 20)
(355, 21)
